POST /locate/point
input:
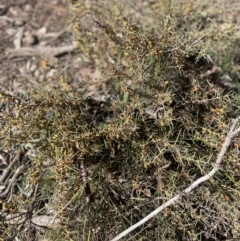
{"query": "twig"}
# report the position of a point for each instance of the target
(11, 181)
(7, 170)
(40, 51)
(84, 174)
(53, 36)
(89, 194)
(231, 134)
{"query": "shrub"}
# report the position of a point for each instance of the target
(156, 126)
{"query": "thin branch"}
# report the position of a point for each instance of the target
(12, 180)
(232, 133)
(8, 169)
(40, 51)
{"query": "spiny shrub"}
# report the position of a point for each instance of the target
(158, 127)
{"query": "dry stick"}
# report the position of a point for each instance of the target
(84, 174)
(11, 181)
(89, 194)
(231, 134)
(8, 169)
(41, 51)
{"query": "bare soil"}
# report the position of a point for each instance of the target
(33, 33)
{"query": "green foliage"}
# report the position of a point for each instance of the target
(161, 128)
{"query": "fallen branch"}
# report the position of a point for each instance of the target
(8, 169)
(7, 173)
(39, 51)
(231, 134)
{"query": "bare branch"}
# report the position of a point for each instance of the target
(232, 133)
(39, 51)
(8, 169)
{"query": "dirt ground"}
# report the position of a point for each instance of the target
(33, 32)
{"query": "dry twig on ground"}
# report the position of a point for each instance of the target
(40, 51)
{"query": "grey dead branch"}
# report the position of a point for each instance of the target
(39, 51)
